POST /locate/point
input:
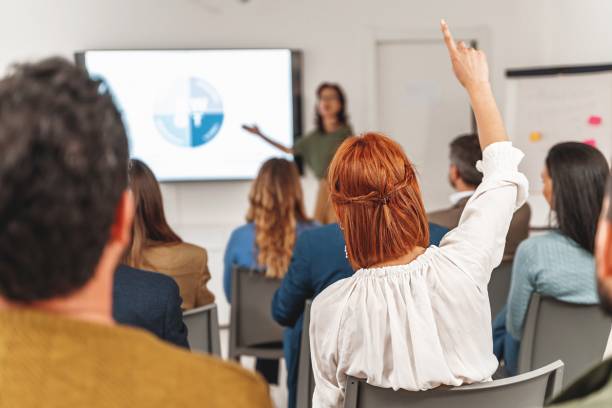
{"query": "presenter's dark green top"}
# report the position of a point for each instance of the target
(318, 148)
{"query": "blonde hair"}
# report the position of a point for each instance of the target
(277, 205)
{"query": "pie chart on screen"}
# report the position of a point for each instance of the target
(189, 113)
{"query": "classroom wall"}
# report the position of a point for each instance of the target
(333, 35)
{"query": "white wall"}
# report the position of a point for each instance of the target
(334, 35)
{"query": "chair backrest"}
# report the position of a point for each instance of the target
(305, 384)
(499, 287)
(251, 322)
(576, 334)
(525, 390)
(203, 329)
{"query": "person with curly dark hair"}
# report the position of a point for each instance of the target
(66, 216)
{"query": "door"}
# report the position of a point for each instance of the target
(423, 107)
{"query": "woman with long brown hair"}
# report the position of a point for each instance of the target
(413, 317)
(318, 147)
(275, 218)
(156, 247)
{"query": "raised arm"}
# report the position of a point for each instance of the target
(476, 246)
(254, 129)
(471, 69)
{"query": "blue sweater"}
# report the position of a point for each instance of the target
(551, 265)
(241, 251)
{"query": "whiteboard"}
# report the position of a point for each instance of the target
(559, 106)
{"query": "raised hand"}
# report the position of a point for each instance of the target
(252, 129)
(469, 65)
(472, 71)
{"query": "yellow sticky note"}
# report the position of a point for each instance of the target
(535, 137)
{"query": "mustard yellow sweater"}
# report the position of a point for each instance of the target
(51, 361)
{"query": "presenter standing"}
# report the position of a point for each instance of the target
(317, 148)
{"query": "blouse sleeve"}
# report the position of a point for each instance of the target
(300, 147)
(476, 246)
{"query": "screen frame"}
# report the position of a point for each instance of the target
(297, 61)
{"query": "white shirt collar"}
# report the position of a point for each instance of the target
(460, 195)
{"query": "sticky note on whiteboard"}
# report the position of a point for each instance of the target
(594, 120)
(590, 142)
(535, 137)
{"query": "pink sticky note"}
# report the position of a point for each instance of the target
(594, 120)
(590, 142)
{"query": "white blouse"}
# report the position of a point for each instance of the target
(427, 323)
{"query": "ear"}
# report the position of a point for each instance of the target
(121, 230)
(453, 173)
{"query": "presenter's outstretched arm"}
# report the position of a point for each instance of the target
(471, 69)
(253, 129)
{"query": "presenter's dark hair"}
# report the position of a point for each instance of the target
(465, 151)
(342, 116)
(150, 225)
(579, 173)
(62, 173)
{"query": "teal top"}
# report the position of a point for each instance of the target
(551, 265)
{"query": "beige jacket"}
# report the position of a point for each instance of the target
(187, 264)
(519, 226)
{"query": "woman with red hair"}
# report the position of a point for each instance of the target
(411, 317)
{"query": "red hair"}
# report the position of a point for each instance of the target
(376, 196)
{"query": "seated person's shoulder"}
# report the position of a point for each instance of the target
(226, 383)
(193, 251)
(126, 275)
(542, 243)
(245, 231)
(325, 232)
(333, 294)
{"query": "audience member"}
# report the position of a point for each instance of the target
(276, 217)
(150, 301)
(319, 259)
(66, 217)
(156, 247)
(595, 388)
(464, 177)
(558, 264)
(317, 148)
(411, 317)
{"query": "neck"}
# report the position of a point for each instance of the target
(92, 302)
(330, 125)
(402, 260)
(461, 186)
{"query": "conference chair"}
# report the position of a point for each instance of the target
(499, 287)
(526, 390)
(306, 384)
(203, 329)
(253, 332)
(576, 334)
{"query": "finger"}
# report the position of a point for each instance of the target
(448, 38)
(461, 46)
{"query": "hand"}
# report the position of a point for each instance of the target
(469, 65)
(252, 129)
